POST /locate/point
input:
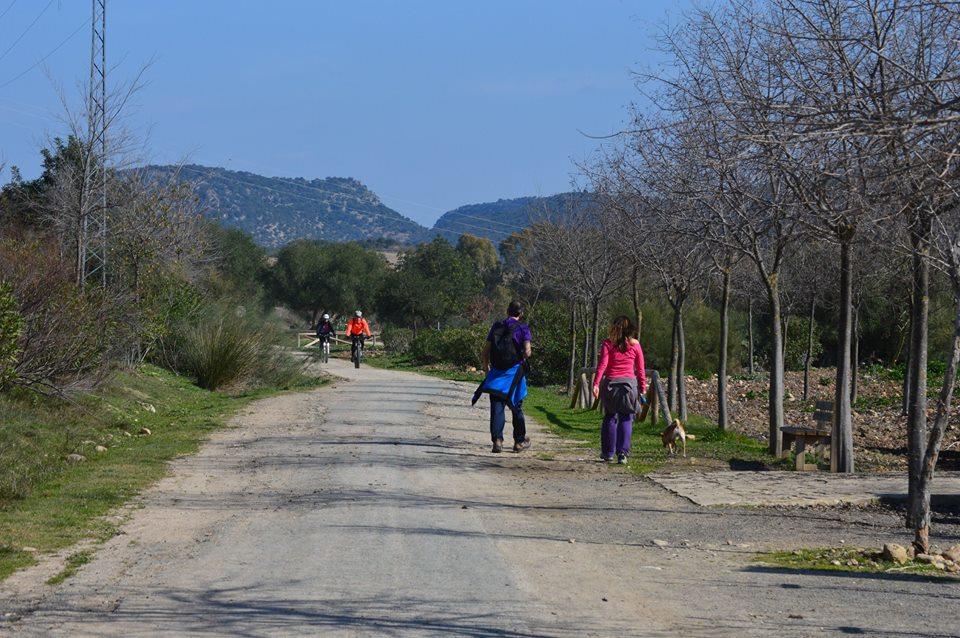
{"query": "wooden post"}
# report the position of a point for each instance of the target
(653, 404)
(583, 394)
(801, 452)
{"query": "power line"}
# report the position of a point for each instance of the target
(44, 58)
(7, 10)
(25, 31)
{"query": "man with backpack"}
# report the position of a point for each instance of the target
(505, 355)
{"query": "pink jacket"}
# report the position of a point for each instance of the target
(614, 363)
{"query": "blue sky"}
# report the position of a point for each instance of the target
(432, 104)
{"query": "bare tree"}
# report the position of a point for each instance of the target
(580, 260)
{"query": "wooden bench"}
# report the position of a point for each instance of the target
(818, 436)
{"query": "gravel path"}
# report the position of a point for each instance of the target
(375, 508)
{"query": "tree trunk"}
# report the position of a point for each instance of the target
(808, 360)
(595, 333)
(637, 312)
(906, 382)
(672, 387)
(922, 516)
(681, 367)
(855, 357)
(80, 256)
(585, 353)
(572, 367)
(917, 406)
(722, 356)
(841, 443)
(775, 401)
(786, 332)
(751, 367)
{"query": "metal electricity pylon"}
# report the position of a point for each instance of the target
(94, 245)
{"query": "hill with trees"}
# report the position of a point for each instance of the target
(496, 220)
(278, 210)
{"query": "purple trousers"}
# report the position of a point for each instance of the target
(615, 434)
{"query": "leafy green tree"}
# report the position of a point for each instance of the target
(353, 277)
(482, 255)
(23, 202)
(479, 251)
(430, 284)
(310, 277)
(240, 261)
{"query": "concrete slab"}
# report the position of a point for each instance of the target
(795, 488)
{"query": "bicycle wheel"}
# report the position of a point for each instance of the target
(356, 361)
(326, 352)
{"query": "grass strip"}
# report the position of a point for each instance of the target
(847, 559)
(647, 454)
(74, 562)
(48, 502)
(550, 406)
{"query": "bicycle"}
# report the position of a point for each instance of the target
(356, 351)
(324, 349)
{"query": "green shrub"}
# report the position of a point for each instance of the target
(220, 349)
(66, 333)
(455, 346)
(462, 346)
(275, 368)
(11, 327)
(549, 325)
(425, 347)
(397, 340)
(796, 351)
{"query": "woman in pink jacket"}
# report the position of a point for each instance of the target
(620, 382)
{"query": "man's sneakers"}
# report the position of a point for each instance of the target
(519, 446)
(621, 459)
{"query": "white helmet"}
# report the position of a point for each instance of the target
(326, 317)
(358, 313)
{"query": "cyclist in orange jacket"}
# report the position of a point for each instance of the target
(357, 326)
(357, 330)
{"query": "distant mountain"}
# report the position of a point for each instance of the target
(277, 210)
(496, 220)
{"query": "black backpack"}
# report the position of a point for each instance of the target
(503, 349)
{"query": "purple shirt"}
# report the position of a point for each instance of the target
(521, 332)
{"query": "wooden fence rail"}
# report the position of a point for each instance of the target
(309, 339)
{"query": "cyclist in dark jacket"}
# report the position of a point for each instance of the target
(324, 328)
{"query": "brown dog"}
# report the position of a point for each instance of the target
(673, 433)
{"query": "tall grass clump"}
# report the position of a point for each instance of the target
(221, 350)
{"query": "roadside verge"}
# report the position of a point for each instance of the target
(65, 466)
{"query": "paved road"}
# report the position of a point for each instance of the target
(375, 508)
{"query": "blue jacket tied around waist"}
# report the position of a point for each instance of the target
(509, 385)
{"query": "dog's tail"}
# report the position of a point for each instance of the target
(691, 437)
